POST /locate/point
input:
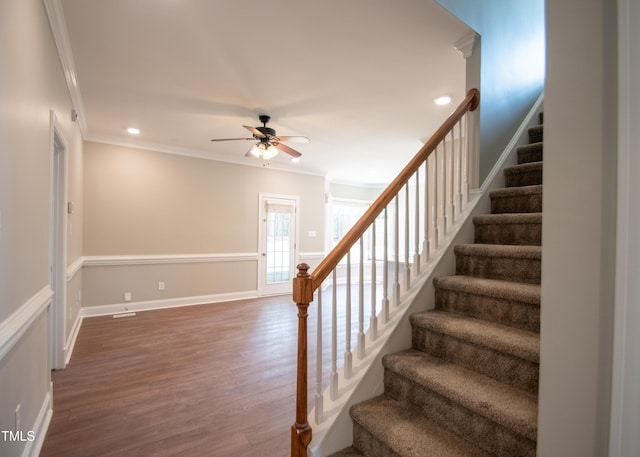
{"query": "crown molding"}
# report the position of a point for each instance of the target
(466, 44)
(63, 44)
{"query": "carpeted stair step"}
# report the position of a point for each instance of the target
(347, 452)
(383, 427)
(504, 302)
(504, 353)
(530, 153)
(536, 134)
(527, 199)
(499, 419)
(496, 261)
(509, 228)
(526, 174)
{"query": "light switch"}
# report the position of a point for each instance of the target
(312, 234)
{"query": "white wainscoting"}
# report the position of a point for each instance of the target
(32, 449)
(13, 327)
(119, 260)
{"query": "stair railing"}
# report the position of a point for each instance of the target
(422, 215)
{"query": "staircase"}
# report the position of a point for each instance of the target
(468, 386)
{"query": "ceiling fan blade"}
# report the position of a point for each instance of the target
(294, 139)
(284, 148)
(255, 131)
(232, 139)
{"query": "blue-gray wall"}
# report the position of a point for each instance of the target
(512, 66)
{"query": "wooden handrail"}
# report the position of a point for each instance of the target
(305, 284)
(320, 273)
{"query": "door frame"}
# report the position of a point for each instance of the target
(58, 242)
(263, 288)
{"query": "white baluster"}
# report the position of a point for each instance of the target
(396, 266)
(385, 271)
(333, 389)
(319, 396)
(444, 188)
(426, 244)
(436, 196)
(347, 351)
(373, 323)
(416, 254)
(459, 196)
(452, 208)
(361, 336)
(407, 266)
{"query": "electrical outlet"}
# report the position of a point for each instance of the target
(161, 285)
(127, 296)
(17, 417)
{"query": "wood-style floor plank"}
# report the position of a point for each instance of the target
(214, 380)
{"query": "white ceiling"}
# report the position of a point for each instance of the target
(358, 77)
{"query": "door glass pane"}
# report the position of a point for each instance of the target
(279, 242)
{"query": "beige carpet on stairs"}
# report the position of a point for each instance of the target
(468, 385)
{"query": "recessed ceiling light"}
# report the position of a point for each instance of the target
(133, 130)
(444, 100)
(295, 159)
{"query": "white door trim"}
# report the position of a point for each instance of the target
(625, 400)
(263, 288)
(58, 241)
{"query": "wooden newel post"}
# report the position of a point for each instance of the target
(302, 296)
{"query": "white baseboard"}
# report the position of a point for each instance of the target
(32, 449)
(71, 341)
(116, 308)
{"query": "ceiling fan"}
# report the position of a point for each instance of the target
(268, 144)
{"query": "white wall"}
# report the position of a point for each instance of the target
(512, 66)
(31, 85)
(579, 228)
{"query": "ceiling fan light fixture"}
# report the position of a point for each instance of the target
(264, 151)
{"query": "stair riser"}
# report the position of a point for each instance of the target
(369, 444)
(511, 234)
(508, 269)
(502, 311)
(536, 134)
(530, 178)
(530, 154)
(517, 204)
(484, 433)
(503, 367)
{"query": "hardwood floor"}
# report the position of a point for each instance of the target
(209, 380)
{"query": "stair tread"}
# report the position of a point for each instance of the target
(516, 342)
(500, 403)
(508, 218)
(408, 433)
(531, 146)
(521, 190)
(523, 168)
(499, 250)
(496, 288)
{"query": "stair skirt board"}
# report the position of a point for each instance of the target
(471, 383)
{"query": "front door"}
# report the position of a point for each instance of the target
(278, 223)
